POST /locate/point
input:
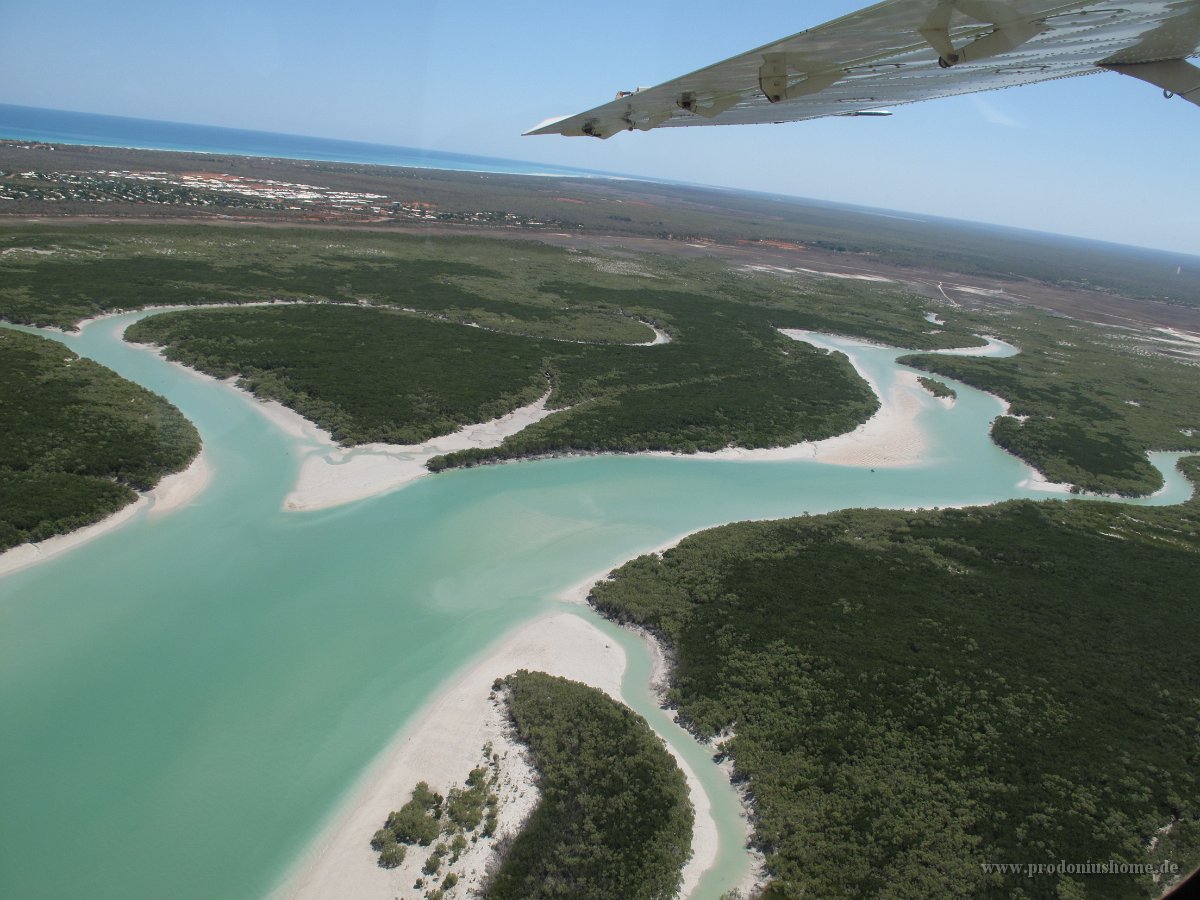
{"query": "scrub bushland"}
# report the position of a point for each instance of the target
(65, 181)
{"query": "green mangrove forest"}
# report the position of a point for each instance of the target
(1087, 402)
(613, 819)
(78, 441)
(907, 696)
(400, 338)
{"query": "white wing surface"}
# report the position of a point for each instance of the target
(902, 51)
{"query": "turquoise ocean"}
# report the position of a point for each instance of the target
(185, 700)
(26, 123)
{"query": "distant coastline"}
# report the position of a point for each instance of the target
(52, 126)
(38, 125)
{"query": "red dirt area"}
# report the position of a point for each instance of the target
(219, 176)
(779, 245)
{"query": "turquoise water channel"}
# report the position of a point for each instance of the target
(185, 700)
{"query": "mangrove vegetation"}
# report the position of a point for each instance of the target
(455, 822)
(613, 819)
(1086, 401)
(939, 389)
(907, 696)
(378, 351)
(77, 440)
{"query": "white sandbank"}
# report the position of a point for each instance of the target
(993, 347)
(891, 438)
(441, 746)
(660, 337)
(181, 488)
(331, 475)
(172, 492)
(1037, 482)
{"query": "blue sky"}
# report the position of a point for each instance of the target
(1103, 156)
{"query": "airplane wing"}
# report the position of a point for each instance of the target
(902, 51)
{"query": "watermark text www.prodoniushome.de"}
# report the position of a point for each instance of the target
(1062, 867)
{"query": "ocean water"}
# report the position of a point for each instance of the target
(185, 700)
(25, 123)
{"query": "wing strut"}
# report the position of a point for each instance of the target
(1176, 77)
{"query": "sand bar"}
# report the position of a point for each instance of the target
(331, 475)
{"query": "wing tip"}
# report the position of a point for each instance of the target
(546, 126)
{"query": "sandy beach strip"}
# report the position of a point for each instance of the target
(1037, 482)
(173, 307)
(172, 492)
(441, 746)
(332, 475)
